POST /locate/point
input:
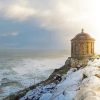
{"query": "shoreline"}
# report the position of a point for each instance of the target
(15, 96)
(70, 63)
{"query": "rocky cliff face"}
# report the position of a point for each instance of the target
(73, 63)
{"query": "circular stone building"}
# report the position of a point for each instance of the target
(82, 46)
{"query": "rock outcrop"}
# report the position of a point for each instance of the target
(73, 63)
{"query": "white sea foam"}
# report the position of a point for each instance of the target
(27, 66)
(17, 74)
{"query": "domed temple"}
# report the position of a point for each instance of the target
(82, 46)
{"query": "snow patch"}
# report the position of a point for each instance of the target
(73, 86)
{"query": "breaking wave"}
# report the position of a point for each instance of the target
(19, 73)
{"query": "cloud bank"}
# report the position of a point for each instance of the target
(53, 14)
(66, 17)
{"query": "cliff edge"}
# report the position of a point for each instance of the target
(70, 63)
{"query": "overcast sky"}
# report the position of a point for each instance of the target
(47, 24)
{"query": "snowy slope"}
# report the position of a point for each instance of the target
(73, 86)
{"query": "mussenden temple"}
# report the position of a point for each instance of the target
(82, 49)
(82, 46)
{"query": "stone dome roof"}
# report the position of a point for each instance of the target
(82, 35)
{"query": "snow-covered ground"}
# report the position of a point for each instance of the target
(72, 87)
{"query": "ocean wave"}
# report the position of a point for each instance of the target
(17, 74)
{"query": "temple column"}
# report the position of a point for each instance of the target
(93, 47)
(88, 48)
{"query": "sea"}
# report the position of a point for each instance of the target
(20, 69)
